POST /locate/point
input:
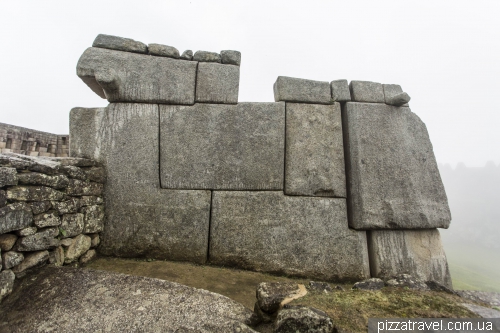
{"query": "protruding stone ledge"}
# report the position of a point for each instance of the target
(119, 43)
(367, 91)
(290, 89)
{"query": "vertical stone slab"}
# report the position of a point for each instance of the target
(143, 220)
(415, 252)
(314, 162)
(392, 175)
(214, 146)
(217, 83)
(300, 236)
(84, 126)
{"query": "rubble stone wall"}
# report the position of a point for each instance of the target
(51, 211)
(20, 140)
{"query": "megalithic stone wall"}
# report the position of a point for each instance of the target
(298, 186)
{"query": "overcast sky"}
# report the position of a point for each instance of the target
(445, 54)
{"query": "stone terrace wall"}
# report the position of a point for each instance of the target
(20, 140)
(335, 180)
(51, 210)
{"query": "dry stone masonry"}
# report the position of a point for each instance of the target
(51, 210)
(334, 180)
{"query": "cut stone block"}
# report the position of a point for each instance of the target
(300, 236)
(94, 219)
(49, 219)
(231, 57)
(34, 193)
(84, 125)
(391, 90)
(392, 173)
(314, 150)
(236, 147)
(36, 178)
(72, 225)
(163, 51)
(367, 91)
(415, 252)
(217, 83)
(187, 55)
(340, 91)
(8, 176)
(206, 56)
(129, 77)
(292, 89)
(143, 220)
(119, 43)
(15, 216)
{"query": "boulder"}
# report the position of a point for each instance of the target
(78, 247)
(34, 193)
(340, 91)
(367, 91)
(128, 77)
(217, 83)
(314, 155)
(369, 284)
(231, 57)
(321, 287)
(7, 278)
(290, 89)
(36, 178)
(119, 43)
(163, 50)
(7, 241)
(42, 240)
(15, 216)
(392, 173)
(303, 319)
(11, 259)
(407, 281)
(418, 253)
(238, 147)
(117, 302)
(48, 219)
(300, 236)
(8, 176)
(271, 296)
(72, 225)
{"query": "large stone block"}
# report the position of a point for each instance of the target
(217, 83)
(314, 150)
(340, 91)
(119, 43)
(292, 89)
(238, 147)
(415, 252)
(34, 193)
(129, 77)
(84, 128)
(15, 216)
(367, 91)
(142, 219)
(392, 173)
(300, 236)
(8, 176)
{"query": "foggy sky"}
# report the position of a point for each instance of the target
(445, 54)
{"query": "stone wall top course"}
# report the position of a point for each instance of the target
(290, 89)
(119, 43)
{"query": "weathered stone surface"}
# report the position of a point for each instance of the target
(88, 257)
(74, 172)
(3, 199)
(222, 146)
(129, 77)
(117, 302)
(42, 240)
(66, 242)
(36, 164)
(31, 260)
(340, 91)
(231, 57)
(36, 178)
(72, 205)
(7, 241)
(79, 246)
(369, 284)
(38, 207)
(90, 200)
(436, 286)
(15, 216)
(94, 219)
(314, 150)
(11, 259)
(391, 90)
(8, 176)
(12, 161)
(163, 50)
(398, 100)
(483, 311)
(300, 236)
(96, 174)
(56, 257)
(94, 240)
(303, 319)
(321, 287)
(392, 173)
(292, 89)
(49, 219)
(70, 161)
(206, 56)
(7, 278)
(84, 126)
(187, 55)
(415, 252)
(408, 281)
(270, 295)
(489, 297)
(34, 193)
(26, 231)
(217, 83)
(78, 187)
(367, 91)
(119, 43)
(142, 219)
(72, 225)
